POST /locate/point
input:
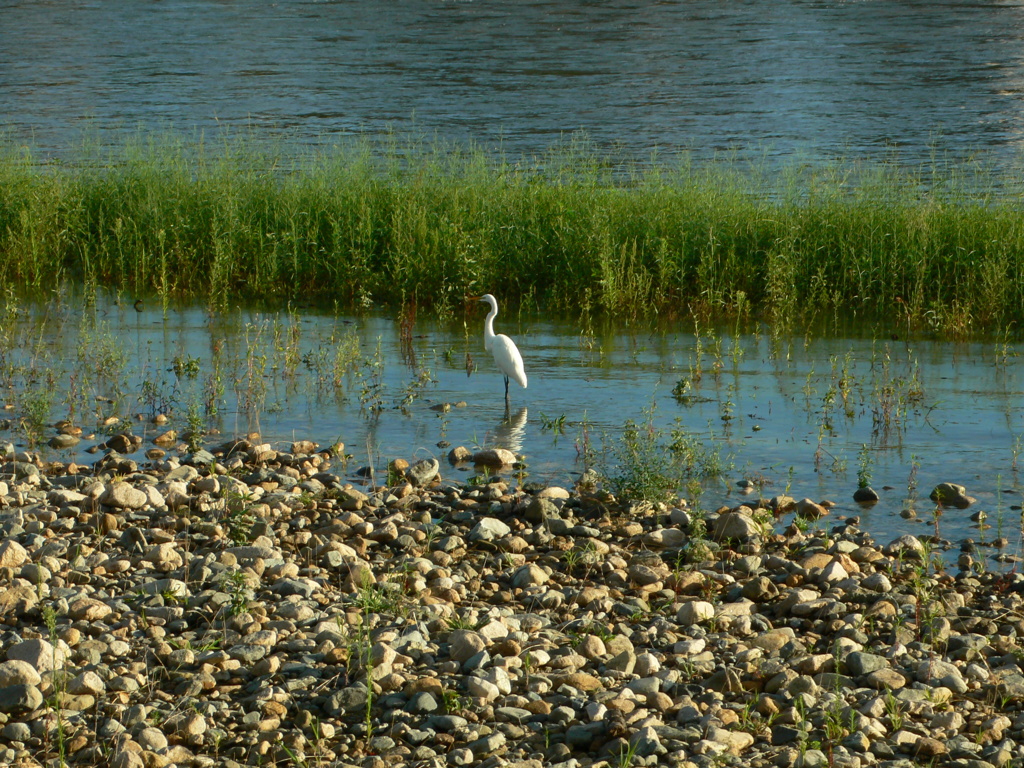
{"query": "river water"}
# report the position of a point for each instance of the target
(775, 78)
(805, 416)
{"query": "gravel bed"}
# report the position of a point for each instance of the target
(247, 606)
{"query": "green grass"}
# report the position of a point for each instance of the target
(935, 248)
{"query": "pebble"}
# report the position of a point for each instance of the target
(450, 620)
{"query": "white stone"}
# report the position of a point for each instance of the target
(479, 688)
(694, 612)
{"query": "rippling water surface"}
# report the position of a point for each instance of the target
(782, 77)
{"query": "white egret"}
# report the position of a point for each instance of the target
(504, 350)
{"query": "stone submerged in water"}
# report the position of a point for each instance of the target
(865, 495)
(459, 454)
(951, 495)
(63, 442)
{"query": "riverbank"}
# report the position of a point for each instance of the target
(935, 248)
(248, 605)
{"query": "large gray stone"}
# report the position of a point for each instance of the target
(489, 529)
(43, 656)
(951, 495)
(858, 663)
(18, 699)
(123, 496)
(463, 644)
(423, 472)
(18, 672)
(735, 526)
(351, 699)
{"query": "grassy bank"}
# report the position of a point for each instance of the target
(931, 248)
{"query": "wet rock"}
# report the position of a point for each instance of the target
(304, 447)
(811, 510)
(494, 457)
(951, 495)
(781, 504)
(865, 495)
(459, 454)
(123, 443)
(904, 545)
(63, 442)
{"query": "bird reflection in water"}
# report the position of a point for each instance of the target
(509, 431)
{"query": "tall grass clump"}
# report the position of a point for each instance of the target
(932, 248)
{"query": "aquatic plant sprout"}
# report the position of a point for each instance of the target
(936, 248)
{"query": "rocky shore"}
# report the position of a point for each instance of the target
(250, 606)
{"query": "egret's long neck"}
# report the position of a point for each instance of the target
(489, 328)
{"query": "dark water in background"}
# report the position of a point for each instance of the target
(782, 77)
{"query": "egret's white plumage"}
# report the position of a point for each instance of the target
(504, 350)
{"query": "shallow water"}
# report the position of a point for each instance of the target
(803, 77)
(772, 410)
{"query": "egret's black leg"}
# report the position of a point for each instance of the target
(506, 390)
